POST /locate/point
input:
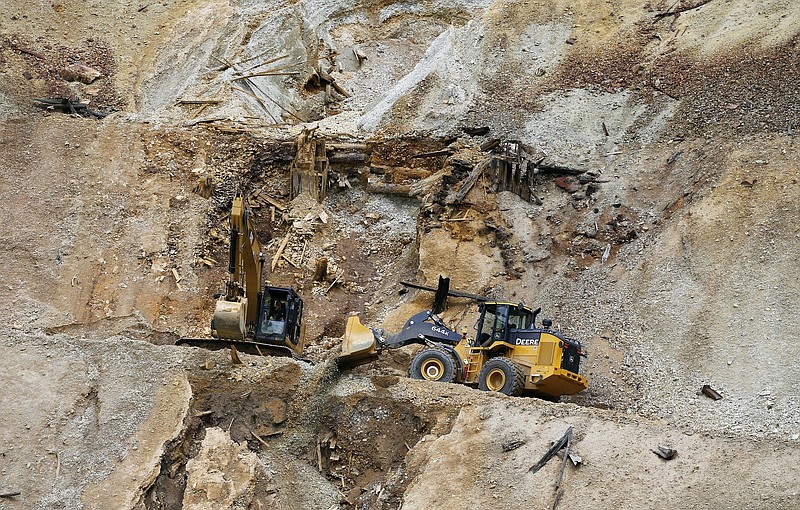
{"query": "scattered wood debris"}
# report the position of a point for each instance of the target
(710, 392)
(682, 8)
(67, 105)
(282, 246)
(512, 444)
(557, 446)
(235, 356)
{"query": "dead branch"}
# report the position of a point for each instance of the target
(199, 101)
(679, 10)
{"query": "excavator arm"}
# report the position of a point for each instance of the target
(238, 308)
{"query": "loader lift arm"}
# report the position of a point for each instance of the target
(362, 344)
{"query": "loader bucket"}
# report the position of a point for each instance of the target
(358, 344)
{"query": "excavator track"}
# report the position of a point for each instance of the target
(245, 346)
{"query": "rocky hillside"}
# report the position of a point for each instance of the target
(657, 223)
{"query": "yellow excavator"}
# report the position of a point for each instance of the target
(247, 317)
(509, 354)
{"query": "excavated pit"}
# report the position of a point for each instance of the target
(356, 442)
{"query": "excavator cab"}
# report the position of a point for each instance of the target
(280, 318)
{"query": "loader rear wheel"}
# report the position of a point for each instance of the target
(433, 365)
(501, 375)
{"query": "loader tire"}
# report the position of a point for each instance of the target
(433, 364)
(501, 375)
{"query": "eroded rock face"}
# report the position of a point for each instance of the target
(222, 475)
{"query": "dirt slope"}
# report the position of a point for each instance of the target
(674, 265)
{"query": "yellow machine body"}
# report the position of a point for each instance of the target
(256, 320)
(509, 354)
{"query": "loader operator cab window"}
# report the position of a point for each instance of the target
(498, 319)
(495, 321)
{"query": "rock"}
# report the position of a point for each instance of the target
(570, 184)
(222, 475)
(81, 73)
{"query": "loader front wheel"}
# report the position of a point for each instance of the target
(501, 375)
(433, 365)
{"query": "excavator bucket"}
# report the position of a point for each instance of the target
(358, 345)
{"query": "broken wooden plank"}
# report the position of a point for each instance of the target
(472, 178)
(334, 282)
(440, 299)
(442, 152)
(206, 120)
(28, 52)
(267, 73)
(490, 144)
(679, 10)
(347, 146)
(330, 79)
(204, 106)
(557, 169)
(303, 253)
(349, 157)
(557, 446)
(259, 439)
(710, 392)
(568, 435)
(282, 246)
(270, 61)
(423, 185)
(390, 189)
(258, 99)
(290, 261)
(275, 203)
(235, 358)
(200, 101)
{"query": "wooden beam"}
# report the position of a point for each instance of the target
(278, 253)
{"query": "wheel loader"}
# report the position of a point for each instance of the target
(509, 354)
(247, 317)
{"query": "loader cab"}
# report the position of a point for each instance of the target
(280, 317)
(498, 319)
